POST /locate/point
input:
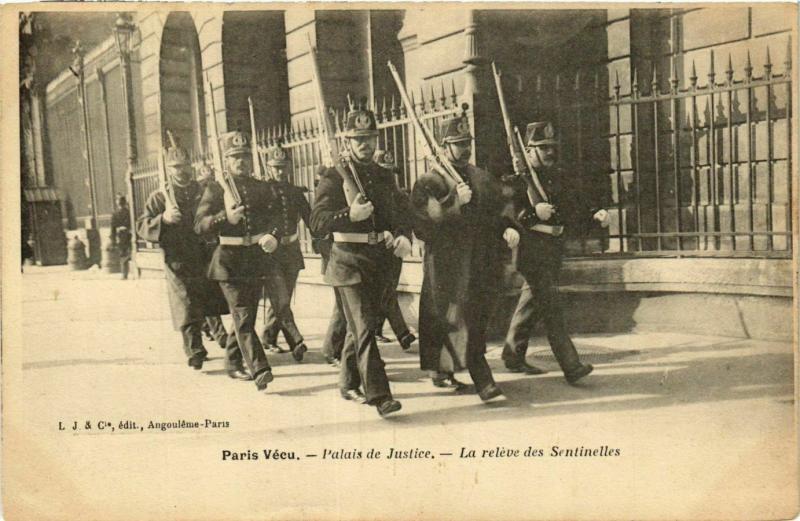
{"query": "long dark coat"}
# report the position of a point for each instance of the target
(462, 267)
(191, 295)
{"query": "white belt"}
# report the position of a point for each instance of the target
(289, 239)
(551, 229)
(363, 238)
(247, 240)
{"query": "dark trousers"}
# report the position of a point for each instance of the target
(361, 360)
(233, 356)
(390, 307)
(334, 341)
(478, 367)
(193, 339)
(242, 296)
(539, 300)
(279, 286)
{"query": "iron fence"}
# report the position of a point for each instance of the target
(687, 170)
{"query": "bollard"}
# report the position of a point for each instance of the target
(76, 254)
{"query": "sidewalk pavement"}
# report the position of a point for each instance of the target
(698, 411)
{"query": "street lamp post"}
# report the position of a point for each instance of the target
(123, 33)
(92, 233)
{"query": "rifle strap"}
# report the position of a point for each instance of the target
(533, 195)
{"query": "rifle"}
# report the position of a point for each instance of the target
(220, 176)
(257, 170)
(434, 152)
(531, 171)
(164, 184)
(512, 148)
(329, 146)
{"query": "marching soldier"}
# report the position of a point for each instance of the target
(191, 295)
(289, 207)
(465, 231)
(214, 328)
(367, 229)
(540, 252)
(390, 307)
(246, 236)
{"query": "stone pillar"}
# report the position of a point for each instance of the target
(340, 38)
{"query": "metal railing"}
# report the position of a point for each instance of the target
(692, 170)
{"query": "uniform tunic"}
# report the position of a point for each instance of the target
(191, 295)
(539, 260)
(462, 269)
(240, 269)
(361, 271)
(289, 208)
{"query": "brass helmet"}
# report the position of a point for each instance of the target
(235, 143)
(360, 122)
(175, 156)
(540, 133)
(277, 156)
(454, 129)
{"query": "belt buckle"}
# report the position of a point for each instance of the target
(372, 238)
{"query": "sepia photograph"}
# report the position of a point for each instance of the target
(399, 261)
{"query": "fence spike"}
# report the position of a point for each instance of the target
(443, 98)
(788, 61)
(711, 70)
(674, 79)
(748, 68)
(433, 99)
(411, 99)
(693, 77)
(421, 100)
(453, 88)
(394, 107)
(768, 65)
(729, 71)
(635, 85)
(305, 128)
(654, 83)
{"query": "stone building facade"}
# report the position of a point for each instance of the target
(679, 120)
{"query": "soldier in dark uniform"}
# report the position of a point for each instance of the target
(465, 232)
(390, 307)
(540, 252)
(191, 295)
(246, 236)
(121, 234)
(333, 344)
(366, 232)
(214, 328)
(289, 207)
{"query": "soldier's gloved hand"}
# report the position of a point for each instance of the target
(235, 214)
(603, 217)
(511, 237)
(464, 193)
(402, 246)
(268, 243)
(360, 209)
(388, 239)
(172, 215)
(544, 211)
